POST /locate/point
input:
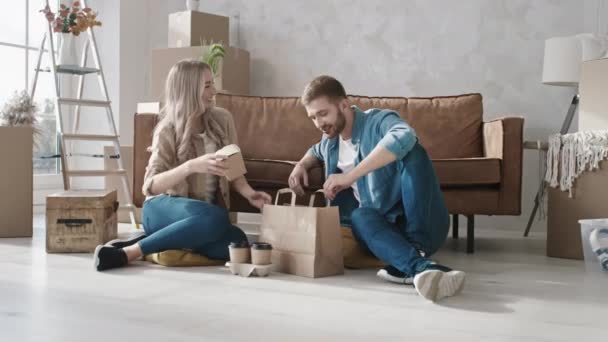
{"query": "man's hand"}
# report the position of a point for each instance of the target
(336, 183)
(297, 179)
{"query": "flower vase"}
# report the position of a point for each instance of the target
(68, 52)
(192, 5)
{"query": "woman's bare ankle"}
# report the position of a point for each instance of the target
(133, 252)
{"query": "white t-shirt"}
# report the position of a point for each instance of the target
(346, 160)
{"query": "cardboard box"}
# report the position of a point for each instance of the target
(16, 182)
(115, 183)
(193, 28)
(234, 74)
(79, 220)
(588, 202)
(234, 161)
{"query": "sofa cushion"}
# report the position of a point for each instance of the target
(447, 126)
(450, 172)
(467, 171)
(179, 257)
(355, 256)
(276, 173)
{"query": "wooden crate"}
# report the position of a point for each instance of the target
(79, 220)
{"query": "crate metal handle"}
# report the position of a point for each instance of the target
(74, 222)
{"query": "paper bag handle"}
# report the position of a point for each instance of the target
(311, 202)
(285, 191)
(312, 198)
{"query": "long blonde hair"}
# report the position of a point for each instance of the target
(183, 107)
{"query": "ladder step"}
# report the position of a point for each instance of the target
(90, 137)
(91, 103)
(93, 155)
(76, 70)
(95, 173)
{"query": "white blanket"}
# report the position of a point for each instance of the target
(570, 155)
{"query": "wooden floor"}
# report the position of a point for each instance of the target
(513, 293)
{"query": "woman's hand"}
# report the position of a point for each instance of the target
(208, 163)
(258, 199)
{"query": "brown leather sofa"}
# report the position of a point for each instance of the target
(479, 164)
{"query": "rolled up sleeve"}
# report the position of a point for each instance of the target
(315, 150)
(398, 137)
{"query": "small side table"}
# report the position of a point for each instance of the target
(545, 146)
(540, 146)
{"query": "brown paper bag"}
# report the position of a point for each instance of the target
(306, 241)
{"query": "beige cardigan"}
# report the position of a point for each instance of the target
(163, 158)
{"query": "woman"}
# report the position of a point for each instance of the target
(183, 184)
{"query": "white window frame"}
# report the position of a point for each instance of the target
(43, 183)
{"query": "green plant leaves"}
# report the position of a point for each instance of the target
(214, 56)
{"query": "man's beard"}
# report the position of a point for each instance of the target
(338, 127)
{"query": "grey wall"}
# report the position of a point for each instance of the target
(389, 47)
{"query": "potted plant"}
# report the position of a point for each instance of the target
(18, 128)
(70, 22)
(214, 55)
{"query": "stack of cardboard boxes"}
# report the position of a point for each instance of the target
(589, 191)
(188, 31)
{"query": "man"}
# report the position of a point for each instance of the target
(384, 184)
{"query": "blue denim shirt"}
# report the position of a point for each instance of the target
(379, 189)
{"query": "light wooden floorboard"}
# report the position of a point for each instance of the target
(513, 293)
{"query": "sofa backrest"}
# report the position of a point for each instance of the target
(278, 128)
(447, 127)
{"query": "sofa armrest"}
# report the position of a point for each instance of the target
(503, 138)
(143, 127)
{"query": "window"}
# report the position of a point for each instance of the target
(21, 31)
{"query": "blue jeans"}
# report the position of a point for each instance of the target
(184, 223)
(424, 226)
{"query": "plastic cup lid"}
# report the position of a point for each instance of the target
(261, 246)
(240, 244)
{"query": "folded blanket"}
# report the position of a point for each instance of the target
(570, 155)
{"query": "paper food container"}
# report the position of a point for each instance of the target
(234, 161)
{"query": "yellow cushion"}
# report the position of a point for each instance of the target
(177, 257)
(354, 255)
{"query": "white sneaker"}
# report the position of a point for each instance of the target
(391, 274)
(437, 282)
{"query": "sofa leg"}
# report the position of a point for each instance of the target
(470, 234)
(455, 226)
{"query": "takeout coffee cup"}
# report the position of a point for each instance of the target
(261, 253)
(239, 252)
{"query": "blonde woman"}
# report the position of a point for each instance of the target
(186, 195)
